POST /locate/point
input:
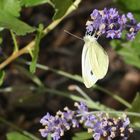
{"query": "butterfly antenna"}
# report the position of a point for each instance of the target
(72, 35)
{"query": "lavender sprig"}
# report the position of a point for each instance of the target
(56, 125)
(111, 24)
(99, 124)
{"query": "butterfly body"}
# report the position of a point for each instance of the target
(94, 61)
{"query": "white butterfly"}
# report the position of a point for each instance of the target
(94, 61)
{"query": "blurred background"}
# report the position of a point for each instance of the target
(23, 98)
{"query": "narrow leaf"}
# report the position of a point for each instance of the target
(2, 75)
(16, 136)
(135, 108)
(36, 50)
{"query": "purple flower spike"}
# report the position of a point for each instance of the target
(111, 24)
(99, 124)
(58, 124)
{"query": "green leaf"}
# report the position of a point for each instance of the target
(11, 7)
(2, 75)
(29, 3)
(16, 136)
(36, 49)
(135, 108)
(61, 7)
(82, 136)
(9, 11)
(130, 50)
(10, 22)
(130, 6)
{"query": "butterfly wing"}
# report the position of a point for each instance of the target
(99, 60)
(89, 78)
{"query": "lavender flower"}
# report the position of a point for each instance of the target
(102, 126)
(99, 124)
(56, 125)
(111, 24)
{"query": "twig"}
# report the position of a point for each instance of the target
(17, 54)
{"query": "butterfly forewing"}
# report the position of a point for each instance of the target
(98, 59)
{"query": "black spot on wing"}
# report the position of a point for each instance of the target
(91, 72)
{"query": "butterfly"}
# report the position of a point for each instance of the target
(95, 61)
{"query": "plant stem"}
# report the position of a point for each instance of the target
(118, 98)
(78, 89)
(90, 104)
(118, 112)
(79, 79)
(15, 41)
